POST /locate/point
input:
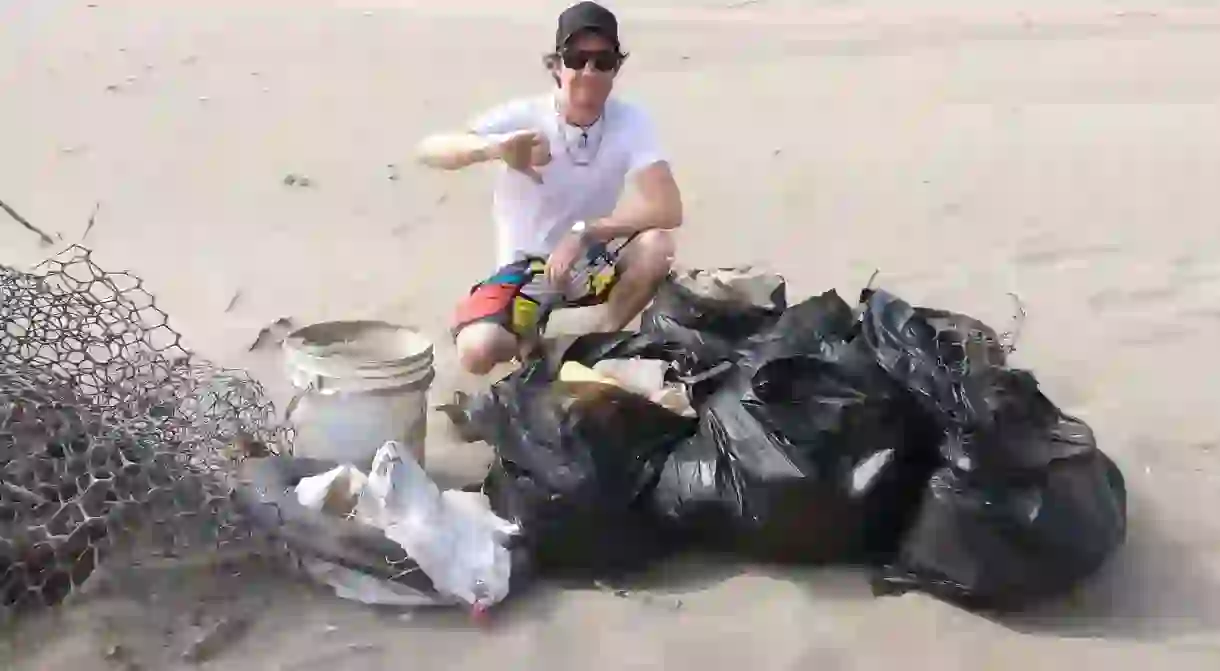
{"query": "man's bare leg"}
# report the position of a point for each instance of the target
(483, 345)
(645, 262)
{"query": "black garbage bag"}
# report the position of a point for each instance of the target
(591, 348)
(1002, 545)
(808, 327)
(1025, 507)
(806, 453)
(575, 467)
(949, 361)
(1025, 431)
(587, 350)
(711, 312)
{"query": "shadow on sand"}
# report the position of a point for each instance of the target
(1154, 588)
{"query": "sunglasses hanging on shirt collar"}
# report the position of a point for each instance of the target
(580, 143)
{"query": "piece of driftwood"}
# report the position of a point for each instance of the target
(46, 239)
(92, 221)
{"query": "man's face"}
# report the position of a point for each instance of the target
(588, 64)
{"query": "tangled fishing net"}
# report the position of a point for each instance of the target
(110, 430)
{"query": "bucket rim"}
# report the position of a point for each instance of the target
(309, 342)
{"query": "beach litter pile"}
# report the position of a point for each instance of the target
(876, 434)
(880, 434)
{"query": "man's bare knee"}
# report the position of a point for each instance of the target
(646, 262)
(652, 252)
(481, 347)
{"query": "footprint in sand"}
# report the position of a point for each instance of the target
(1194, 271)
(825, 658)
(1156, 337)
(1108, 299)
(1044, 253)
(1204, 313)
(1201, 278)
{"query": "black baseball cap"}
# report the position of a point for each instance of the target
(586, 16)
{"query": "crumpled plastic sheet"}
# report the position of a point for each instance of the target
(452, 536)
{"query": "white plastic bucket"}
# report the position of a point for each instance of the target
(359, 384)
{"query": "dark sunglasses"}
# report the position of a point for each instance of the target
(603, 61)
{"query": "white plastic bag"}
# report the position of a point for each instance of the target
(334, 492)
(452, 536)
(459, 546)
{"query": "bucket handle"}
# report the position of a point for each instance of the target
(316, 385)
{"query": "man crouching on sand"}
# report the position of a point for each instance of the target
(562, 236)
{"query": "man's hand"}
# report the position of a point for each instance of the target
(523, 151)
(559, 264)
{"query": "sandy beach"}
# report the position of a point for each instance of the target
(965, 150)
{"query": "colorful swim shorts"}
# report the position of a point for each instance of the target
(518, 296)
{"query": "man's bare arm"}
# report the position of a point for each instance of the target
(454, 151)
(458, 150)
(657, 203)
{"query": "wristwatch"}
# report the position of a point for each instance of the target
(581, 229)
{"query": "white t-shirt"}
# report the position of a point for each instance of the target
(583, 181)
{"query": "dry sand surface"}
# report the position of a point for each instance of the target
(966, 149)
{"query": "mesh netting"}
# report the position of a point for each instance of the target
(110, 430)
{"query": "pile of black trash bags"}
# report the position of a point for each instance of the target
(881, 435)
